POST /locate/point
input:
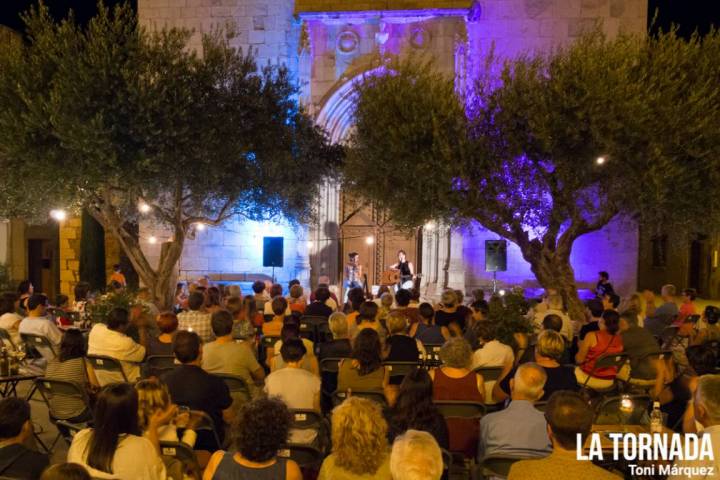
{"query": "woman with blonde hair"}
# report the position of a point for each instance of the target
(359, 443)
(153, 397)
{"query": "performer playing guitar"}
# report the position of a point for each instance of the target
(406, 270)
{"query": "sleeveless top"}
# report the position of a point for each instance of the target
(229, 469)
(606, 345)
(404, 268)
(464, 432)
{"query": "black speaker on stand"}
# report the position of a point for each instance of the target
(273, 253)
(495, 258)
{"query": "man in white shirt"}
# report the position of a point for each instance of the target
(492, 353)
(110, 340)
(298, 388)
(707, 413)
(555, 307)
(37, 323)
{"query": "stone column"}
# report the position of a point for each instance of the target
(323, 254)
(456, 266)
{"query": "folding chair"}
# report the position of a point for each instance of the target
(237, 385)
(616, 360)
(311, 325)
(668, 335)
(107, 364)
(433, 354)
(460, 409)
(52, 389)
(184, 454)
(328, 381)
(642, 383)
(496, 466)
(623, 410)
(7, 339)
(489, 374)
(34, 344)
(156, 365)
(206, 424)
(400, 369)
(312, 420)
(338, 397)
(305, 456)
(540, 406)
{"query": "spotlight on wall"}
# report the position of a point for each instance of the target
(601, 160)
(143, 207)
(370, 240)
(152, 240)
(58, 215)
(199, 227)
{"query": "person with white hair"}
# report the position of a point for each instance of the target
(416, 456)
(520, 430)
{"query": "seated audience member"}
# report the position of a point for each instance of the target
(261, 429)
(355, 298)
(402, 300)
(448, 315)
(298, 388)
(555, 307)
(367, 318)
(66, 471)
(384, 308)
(9, 319)
(674, 387)
(454, 380)
(167, 323)
(318, 307)
(16, 460)
(213, 300)
(637, 306)
(595, 309)
(227, 356)
(260, 295)
(233, 291)
(520, 430)
(191, 386)
(359, 443)
(415, 410)
(679, 342)
(276, 291)
(660, 317)
(25, 291)
(492, 352)
(568, 415)
(416, 456)
(37, 323)
(707, 414)
(478, 316)
(292, 330)
(70, 366)
(610, 301)
(399, 346)
(605, 341)
(196, 319)
(709, 328)
(296, 300)
(639, 344)
(247, 319)
(115, 448)
(548, 353)
(339, 346)
(687, 306)
(274, 327)
(425, 330)
(110, 340)
(363, 371)
(154, 399)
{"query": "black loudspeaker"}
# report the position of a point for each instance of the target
(495, 255)
(273, 251)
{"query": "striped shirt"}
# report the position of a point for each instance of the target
(72, 370)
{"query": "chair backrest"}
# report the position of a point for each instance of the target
(433, 354)
(159, 364)
(206, 423)
(184, 454)
(306, 419)
(340, 396)
(610, 360)
(460, 409)
(400, 369)
(497, 465)
(269, 341)
(51, 388)
(37, 342)
(108, 364)
(5, 337)
(304, 455)
(489, 373)
(234, 383)
(330, 365)
(540, 406)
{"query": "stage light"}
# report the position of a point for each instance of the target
(152, 240)
(310, 244)
(501, 292)
(58, 215)
(370, 240)
(430, 226)
(199, 227)
(601, 160)
(143, 207)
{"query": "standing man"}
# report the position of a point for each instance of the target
(118, 276)
(353, 272)
(603, 286)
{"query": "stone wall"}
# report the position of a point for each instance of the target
(70, 255)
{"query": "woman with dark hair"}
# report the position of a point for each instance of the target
(261, 428)
(213, 300)
(363, 371)
(291, 329)
(414, 409)
(167, 323)
(25, 291)
(709, 328)
(605, 341)
(114, 448)
(9, 319)
(66, 471)
(70, 366)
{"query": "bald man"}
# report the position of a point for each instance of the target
(520, 430)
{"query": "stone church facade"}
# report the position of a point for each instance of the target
(328, 44)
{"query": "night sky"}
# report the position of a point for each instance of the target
(689, 15)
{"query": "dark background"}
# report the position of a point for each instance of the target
(688, 15)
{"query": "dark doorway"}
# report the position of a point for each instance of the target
(698, 274)
(40, 266)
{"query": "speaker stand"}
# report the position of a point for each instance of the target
(273, 274)
(494, 284)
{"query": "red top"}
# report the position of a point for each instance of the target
(607, 344)
(464, 433)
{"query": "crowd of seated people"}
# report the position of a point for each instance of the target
(373, 412)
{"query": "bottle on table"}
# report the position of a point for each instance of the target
(656, 419)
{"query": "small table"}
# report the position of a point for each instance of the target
(8, 384)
